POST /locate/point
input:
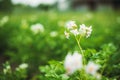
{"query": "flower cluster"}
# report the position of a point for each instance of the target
(74, 62)
(8, 68)
(75, 30)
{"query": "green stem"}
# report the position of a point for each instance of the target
(79, 38)
(80, 48)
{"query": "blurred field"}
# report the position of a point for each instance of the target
(18, 44)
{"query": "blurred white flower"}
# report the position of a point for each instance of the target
(67, 35)
(4, 20)
(82, 29)
(36, 28)
(88, 31)
(7, 69)
(73, 62)
(85, 31)
(53, 34)
(74, 32)
(23, 66)
(70, 25)
(92, 68)
(63, 5)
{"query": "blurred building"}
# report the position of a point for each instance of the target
(62, 5)
(93, 4)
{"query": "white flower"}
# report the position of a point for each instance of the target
(82, 29)
(92, 68)
(74, 32)
(88, 31)
(67, 34)
(7, 69)
(71, 25)
(4, 20)
(23, 66)
(73, 62)
(53, 34)
(77, 58)
(85, 31)
(36, 28)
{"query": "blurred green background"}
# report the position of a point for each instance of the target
(19, 44)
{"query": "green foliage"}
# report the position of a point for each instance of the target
(9, 73)
(54, 71)
(104, 54)
(19, 44)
